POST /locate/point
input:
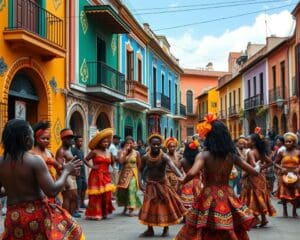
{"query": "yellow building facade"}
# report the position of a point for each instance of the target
(32, 63)
(207, 102)
(231, 103)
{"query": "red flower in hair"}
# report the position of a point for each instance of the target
(205, 127)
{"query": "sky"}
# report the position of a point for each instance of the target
(213, 37)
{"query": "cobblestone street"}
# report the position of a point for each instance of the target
(118, 227)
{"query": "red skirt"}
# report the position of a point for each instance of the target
(40, 220)
(217, 214)
(190, 191)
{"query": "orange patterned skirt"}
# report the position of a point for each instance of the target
(190, 191)
(173, 180)
(256, 196)
(40, 220)
(217, 214)
(161, 206)
(286, 191)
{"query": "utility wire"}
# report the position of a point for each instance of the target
(196, 5)
(223, 18)
(204, 8)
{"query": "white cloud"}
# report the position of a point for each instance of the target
(194, 53)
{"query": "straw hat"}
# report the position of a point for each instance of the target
(105, 133)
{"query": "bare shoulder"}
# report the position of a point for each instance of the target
(33, 159)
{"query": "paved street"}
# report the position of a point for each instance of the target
(118, 227)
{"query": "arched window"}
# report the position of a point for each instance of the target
(189, 101)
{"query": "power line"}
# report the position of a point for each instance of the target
(222, 18)
(205, 8)
(193, 5)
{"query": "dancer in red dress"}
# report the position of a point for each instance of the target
(217, 213)
(100, 185)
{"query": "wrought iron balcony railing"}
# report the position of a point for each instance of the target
(182, 110)
(31, 17)
(233, 110)
(100, 74)
(255, 101)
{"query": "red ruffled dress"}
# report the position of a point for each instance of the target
(216, 214)
(100, 190)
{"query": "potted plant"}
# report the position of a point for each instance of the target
(260, 111)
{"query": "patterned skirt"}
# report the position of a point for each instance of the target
(217, 214)
(256, 196)
(40, 220)
(190, 191)
(128, 197)
(173, 180)
(288, 192)
(161, 206)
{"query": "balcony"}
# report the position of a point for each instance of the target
(137, 95)
(160, 104)
(105, 82)
(180, 111)
(253, 102)
(294, 87)
(201, 116)
(35, 29)
(276, 95)
(222, 115)
(233, 111)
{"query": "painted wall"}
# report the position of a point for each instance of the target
(89, 31)
(213, 101)
(195, 83)
(260, 67)
(42, 72)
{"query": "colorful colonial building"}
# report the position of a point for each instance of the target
(131, 115)
(95, 81)
(207, 102)
(32, 63)
(163, 72)
(193, 82)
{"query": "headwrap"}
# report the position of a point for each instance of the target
(205, 127)
(155, 135)
(66, 133)
(170, 140)
(40, 132)
(292, 136)
(258, 131)
(242, 140)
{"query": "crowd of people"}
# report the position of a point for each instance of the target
(217, 187)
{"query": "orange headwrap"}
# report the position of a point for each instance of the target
(205, 127)
(170, 140)
(40, 132)
(194, 144)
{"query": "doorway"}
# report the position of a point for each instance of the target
(76, 123)
(102, 121)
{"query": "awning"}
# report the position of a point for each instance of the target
(108, 17)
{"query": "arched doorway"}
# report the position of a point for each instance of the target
(275, 124)
(283, 124)
(128, 128)
(76, 123)
(252, 125)
(139, 131)
(23, 98)
(102, 121)
(294, 123)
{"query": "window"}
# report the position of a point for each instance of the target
(230, 99)
(249, 89)
(163, 84)
(221, 104)
(130, 65)
(254, 86)
(140, 74)
(234, 98)
(239, 95)
(189, 101)
(282, 73)
(274, 76)
(190, 131)
(261, 83)
(225, 103)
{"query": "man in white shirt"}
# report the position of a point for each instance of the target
(114, 148)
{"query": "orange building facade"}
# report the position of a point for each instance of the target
(193, 83)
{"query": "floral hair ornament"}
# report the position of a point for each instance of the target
(194, 144)
(258, 131)
(205, 127)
